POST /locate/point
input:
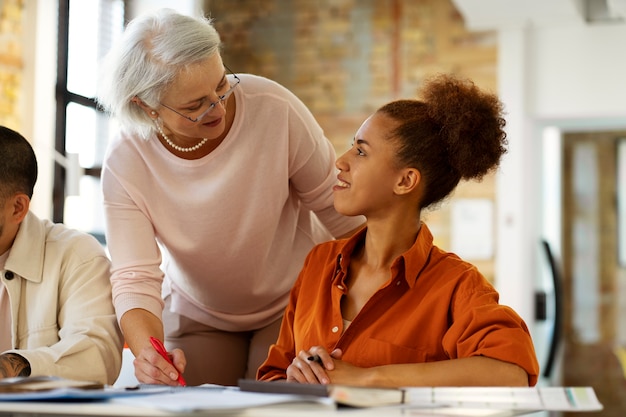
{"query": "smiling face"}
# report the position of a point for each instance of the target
(190, 95)
(369, 177)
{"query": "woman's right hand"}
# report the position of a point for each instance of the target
(152, 368)
(310, 366)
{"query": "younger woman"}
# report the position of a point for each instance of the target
(386, 307)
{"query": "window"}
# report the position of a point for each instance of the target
(87, 28)
(86, 31)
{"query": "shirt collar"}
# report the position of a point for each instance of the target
(409, 264)
(26, 253)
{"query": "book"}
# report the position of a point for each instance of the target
(346, 395)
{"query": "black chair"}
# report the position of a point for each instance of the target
(558, 310)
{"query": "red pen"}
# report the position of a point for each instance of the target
(158, 346)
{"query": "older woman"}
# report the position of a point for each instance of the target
(215, 189)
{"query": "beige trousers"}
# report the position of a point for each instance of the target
(215, 356)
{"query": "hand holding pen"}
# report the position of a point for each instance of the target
(312, 366)
(160, 348)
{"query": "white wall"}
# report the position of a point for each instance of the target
(554, 70)
(575, 80)
(578, 71)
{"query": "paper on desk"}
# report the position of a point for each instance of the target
(191, 399)
(508, 398)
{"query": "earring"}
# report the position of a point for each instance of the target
(158, 123)
(153, 112)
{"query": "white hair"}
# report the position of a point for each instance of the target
(153, 49)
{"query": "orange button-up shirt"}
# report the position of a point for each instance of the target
(434, 307)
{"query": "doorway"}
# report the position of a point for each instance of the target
(593, 278)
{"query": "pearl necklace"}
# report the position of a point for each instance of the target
(180, 148)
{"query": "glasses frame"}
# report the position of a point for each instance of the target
(220, 100)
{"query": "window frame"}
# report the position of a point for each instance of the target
(64, 98)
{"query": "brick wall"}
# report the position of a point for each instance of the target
(10, 61)
(344, 58)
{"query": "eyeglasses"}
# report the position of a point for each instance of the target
(220, 100)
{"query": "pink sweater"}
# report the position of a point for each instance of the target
(227, 234)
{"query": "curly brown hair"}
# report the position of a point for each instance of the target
(454, 131)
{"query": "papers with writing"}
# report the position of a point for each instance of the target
(508, 398)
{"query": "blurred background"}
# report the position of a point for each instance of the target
(548, 229)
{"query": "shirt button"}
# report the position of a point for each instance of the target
(9, 275)
(335, 329)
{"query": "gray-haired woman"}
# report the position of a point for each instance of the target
(215, 189)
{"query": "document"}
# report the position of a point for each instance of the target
(508, 398)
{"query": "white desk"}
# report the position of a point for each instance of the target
(50, 409)
(159, 401)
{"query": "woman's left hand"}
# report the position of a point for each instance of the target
(345, 373)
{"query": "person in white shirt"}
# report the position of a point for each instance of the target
(56, 312)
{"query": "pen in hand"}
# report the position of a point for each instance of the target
(158, 346)
(315, 358)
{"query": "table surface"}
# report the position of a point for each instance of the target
(101, 409)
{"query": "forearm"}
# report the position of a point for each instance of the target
(89, 333)
(12, 365)
(137, 326)
(473, 371)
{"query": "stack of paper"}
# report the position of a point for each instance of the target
(507, 398)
